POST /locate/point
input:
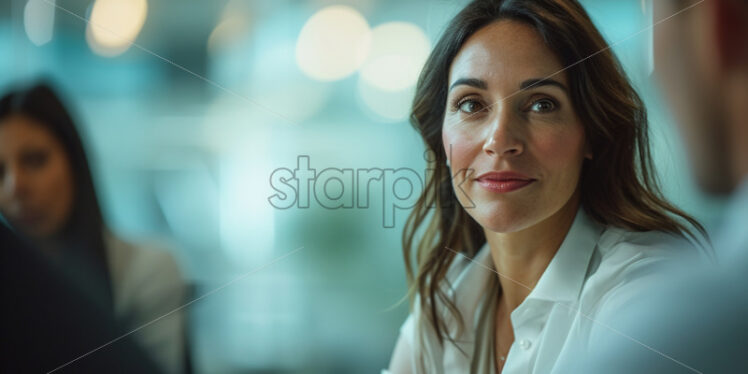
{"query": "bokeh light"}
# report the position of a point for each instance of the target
(39, 20)
(232, 27)
(398, 52)
(114, 25)
(386, 106)
(333, 43)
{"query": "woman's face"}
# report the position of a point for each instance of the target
(516, 155)
(36, 182)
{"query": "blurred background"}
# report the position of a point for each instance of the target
(188, 106)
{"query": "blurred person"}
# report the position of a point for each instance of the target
(692, 319)
(47, 195)
(545, 200)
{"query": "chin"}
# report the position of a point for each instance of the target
(502, 218)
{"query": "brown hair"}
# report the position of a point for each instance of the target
(618, 186)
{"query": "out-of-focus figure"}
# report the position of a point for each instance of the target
(47, 196)
(692, 319)
(49, 323)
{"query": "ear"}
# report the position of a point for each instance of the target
(730, 25)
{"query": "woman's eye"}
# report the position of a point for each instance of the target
(469, 106)
(35, 159)
(543, 106)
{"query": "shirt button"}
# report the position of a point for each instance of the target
(525, 344)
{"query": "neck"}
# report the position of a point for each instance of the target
(521, 257)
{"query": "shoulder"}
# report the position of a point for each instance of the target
(627, 253)
(625, 267)
(465, 286)
(626, 262)
(695, 313)
(617, 242)
(141, 258)
(142, 272)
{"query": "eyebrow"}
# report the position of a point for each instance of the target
(535, 82)
(529, 83)
(473, 82)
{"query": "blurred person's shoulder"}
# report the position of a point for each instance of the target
(142, 273)
(146, 257)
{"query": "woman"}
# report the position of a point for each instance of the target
(546, 206)
(47, 195)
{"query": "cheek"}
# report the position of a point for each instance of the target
(57, 190)
(460, 147)
(561, 153)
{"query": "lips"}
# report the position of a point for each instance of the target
(504, 181)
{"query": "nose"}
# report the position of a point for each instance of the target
(14, 183)
(503, 138)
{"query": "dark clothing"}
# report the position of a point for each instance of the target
(47, 320)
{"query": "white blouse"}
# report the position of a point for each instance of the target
(584, 279)
(693, 320)
(148, 293)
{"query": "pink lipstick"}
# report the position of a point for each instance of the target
(504, 181)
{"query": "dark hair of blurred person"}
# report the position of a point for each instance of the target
(47, 190)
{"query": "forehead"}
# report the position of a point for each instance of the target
(508, 52)
(18, 131)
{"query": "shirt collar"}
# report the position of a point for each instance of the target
(565, 275)
(562, 280)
